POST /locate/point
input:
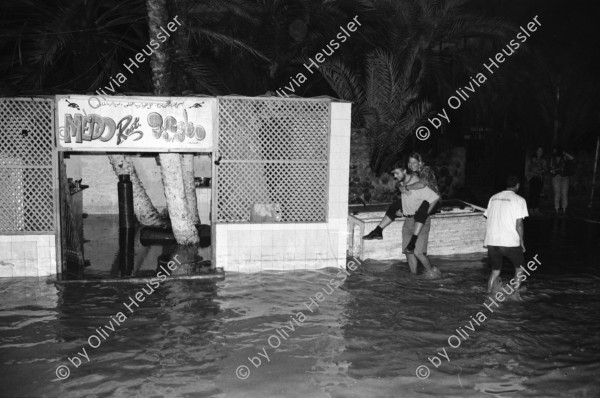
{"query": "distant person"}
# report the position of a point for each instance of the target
(561, 168)
(537, 168)
(504, 232)
(425, 178)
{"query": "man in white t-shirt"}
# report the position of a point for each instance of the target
(504, 231)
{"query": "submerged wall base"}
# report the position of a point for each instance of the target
(27, 255)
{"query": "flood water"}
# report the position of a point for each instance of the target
(366, 337)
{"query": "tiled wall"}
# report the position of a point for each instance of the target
(282, 246)
(27, 255)
(449, 234)
(203, 198)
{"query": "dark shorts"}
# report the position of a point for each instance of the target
(497, 254)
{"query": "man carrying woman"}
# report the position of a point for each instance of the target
(425, 178)
(417, 202)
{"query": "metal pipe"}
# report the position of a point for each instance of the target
(126, 211)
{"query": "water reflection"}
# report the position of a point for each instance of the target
(126, 253)
(396, 322)
(166, 336)
(365, 339)
(130, 258)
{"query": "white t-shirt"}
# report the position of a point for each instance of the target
(412, 200)
(503, 211)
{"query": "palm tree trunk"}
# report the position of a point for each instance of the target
(144, 209)
(189, 186)
(181, 45)
(159, 61)
(182, 223)
(184, 229)
(556, 121)
(182, 84)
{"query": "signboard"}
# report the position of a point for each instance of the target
(135, 124)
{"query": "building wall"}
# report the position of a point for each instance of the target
(239, 247)
(28, 194)
(284, 246)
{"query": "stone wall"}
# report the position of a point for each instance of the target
(366, 187)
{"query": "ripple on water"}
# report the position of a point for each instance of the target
(364, 339)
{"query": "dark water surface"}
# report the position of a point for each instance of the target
(365, 339)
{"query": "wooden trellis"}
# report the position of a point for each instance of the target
(26, 175)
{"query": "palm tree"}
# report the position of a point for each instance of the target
(172, 168)
(424, 43)
(60, 45)
(387, 103)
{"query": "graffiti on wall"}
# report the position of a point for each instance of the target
(95, 127)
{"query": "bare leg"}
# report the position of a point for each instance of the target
(518, 271)
(424, 260)
(412, 263)
(564, 192)
(493, 276)
(385, 222)
(418, 228)
(556, 189)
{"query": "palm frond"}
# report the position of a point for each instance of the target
(217, 38)
(205, 78)
(345, 82)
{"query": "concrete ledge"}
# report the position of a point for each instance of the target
(459, 232)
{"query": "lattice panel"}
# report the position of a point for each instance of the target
(26, 127)
(26, 197)
(12, 214)
(274, 152)
(254, 129)
(299, 188)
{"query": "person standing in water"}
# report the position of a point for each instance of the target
(561, 168)
(535, 171)
(415, 230)
(425, 178)
(504, 232)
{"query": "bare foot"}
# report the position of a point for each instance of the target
(499, 287)
(523, 289)
(433, 273)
